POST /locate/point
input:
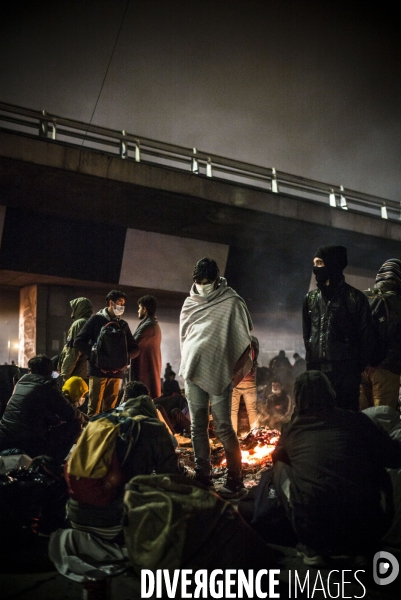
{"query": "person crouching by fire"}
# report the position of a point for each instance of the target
(215, 328)
(329, 472)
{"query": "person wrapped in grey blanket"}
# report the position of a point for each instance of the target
(215, 328)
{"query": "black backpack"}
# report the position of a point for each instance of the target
(381, 322)
(110, 352)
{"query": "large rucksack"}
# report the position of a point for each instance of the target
(172, 522)
(94, 468)
(379, 306)
(110, 351)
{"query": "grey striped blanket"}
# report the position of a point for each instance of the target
(214, 333)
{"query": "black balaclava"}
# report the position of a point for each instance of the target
(335, 261)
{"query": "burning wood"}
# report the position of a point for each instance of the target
(256, 450)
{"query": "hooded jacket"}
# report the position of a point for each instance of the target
(36, 405)
(337, 459)
(89, 334)
(337, 321)
(154, 450)
(74, 389)
(71, 361)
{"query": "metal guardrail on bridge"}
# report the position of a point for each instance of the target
(139, 149)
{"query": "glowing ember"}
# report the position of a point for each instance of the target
(257, 454)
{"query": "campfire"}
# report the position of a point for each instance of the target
(256, 450)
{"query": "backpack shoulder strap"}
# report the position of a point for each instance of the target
(377, 294)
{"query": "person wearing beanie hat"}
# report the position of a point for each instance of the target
(381, 379)
(337, 326)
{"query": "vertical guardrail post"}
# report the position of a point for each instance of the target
(123, 146)
(343, 200)
(43, 125)
(332, 198)
(194, 163)
(384, 214)
(137, 151)
(274, 182)
(53, 125)
(209, 168)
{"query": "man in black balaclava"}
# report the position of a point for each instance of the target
(337, 326)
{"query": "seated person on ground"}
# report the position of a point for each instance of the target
(276, 407)
(388, 419)
(174, 405)
(75, 390)
(329, 471)
(38, 418)
(170, 385)
(133, 389)
(96, 505)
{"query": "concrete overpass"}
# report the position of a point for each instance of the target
(85, 218)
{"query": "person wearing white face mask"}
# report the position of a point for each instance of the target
(215, 328)
(105, 382)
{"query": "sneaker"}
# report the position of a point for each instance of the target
(310, 557)
(233, 488)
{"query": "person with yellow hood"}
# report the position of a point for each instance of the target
(75, 389)
(72, 362)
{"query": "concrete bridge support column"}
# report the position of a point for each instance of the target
(32, 322)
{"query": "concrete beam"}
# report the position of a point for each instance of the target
(69, 160)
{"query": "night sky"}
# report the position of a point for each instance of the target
(312, 88)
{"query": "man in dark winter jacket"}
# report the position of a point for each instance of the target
(104, 384)
(337, 327)
(72, 363)
(38, 418)
(381, 379)
(329, 470)
(147, 366)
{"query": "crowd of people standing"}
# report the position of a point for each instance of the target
(352, 363)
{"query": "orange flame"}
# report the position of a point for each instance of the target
(257, 454)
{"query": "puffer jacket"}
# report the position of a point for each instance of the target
(337, 330)
(36, 405)
(72, 362)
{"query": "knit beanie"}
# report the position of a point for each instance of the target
(391, 269)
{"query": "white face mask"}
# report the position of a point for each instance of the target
(118, 309)
(204, 288)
